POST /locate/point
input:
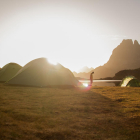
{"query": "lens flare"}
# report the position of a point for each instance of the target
(85, 84)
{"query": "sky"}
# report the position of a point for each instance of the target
(74, 33)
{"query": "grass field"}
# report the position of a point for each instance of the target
(101, 113)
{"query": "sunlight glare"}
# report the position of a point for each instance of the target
(58, 32)
(52, 61)
(85, 84)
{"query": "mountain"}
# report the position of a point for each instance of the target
(81, 75)
(86, 69)
(122, 74)
(124, 56)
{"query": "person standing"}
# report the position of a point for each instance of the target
(91, 78)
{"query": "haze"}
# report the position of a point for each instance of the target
(75, 33)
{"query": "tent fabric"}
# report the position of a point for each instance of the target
(40, 72)
(130, 81)
(133, 83)
(8, 71)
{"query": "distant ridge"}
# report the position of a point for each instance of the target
(124, 56)
(86, 69)
(123, 73)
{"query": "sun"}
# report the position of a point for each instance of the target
(57, 36)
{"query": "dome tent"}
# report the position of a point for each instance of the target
(8, 71)
(133, 83)
(130, 81)
(40, 72)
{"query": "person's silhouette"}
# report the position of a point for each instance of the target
(91, 78)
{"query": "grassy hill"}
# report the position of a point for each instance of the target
(101, 113)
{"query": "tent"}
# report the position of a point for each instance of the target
(133, 83)
(40, 72)
(130, 81)
(8, 71)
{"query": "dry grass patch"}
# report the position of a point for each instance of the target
(101, 113)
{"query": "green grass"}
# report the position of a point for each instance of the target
(101, 113)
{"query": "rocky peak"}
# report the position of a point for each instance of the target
(136, 43)
(127, 42)
(124, 56)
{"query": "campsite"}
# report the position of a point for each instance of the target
(99, 113)
(43, 101)
(69, 70)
